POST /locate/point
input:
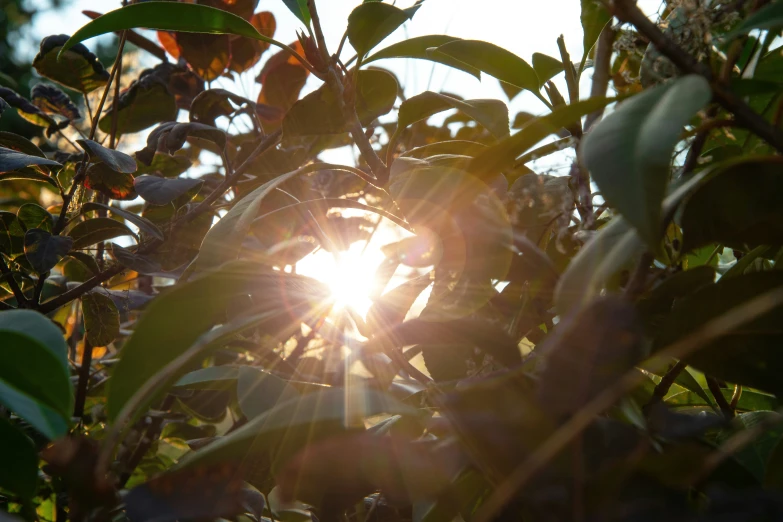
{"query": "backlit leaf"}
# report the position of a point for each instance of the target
(162, 191)
(492, 114)
(19, 473)
(113, 159)
(12, 160)
(369, 24)
(76, 68)
(417, 48)
(145, 225)
(116, 185)
(101, 319)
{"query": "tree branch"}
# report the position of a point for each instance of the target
(21, 300)
(627, 11)
(601, 71)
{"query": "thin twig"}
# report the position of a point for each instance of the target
(663, 387)
(84, 379)
(720, 400)
(21, 300)
(601, 71)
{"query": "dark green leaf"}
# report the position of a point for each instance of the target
(168, 16)
(594, 18)
(300, 9)
(740, 206)
(145, 225)
(492, 114)
(259, 391)
(587, 352)
(35, 216)
(40, 328)
(43, 250)
(12, 160)
(176, 319)
(95, 230)
(13, 141)
(146, 102)
(76, 68)
(11, 234)
(629, 152)
(546, 67)
(31, 175)
(749, 356)
(213, 103)
(165, 165)
(503, 154)
(135, 262)
(162, 191)
(768, 17)
(319, 113)
(87, 261)
(495, 61)
(31, 369)
(113, 159)
(276, 435)
(211, 378)
(417, 48)
(369, 24)
(465, 148)
(101, 319)
(19, 472)
(610, 250)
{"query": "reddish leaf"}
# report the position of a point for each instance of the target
(246, 52)
(208, 54)
(113, 184)
(282, 79)
(169, 42)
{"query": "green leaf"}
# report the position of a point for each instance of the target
(134, 261)
(43, 250)
(87, 261)
(76, 68)
(750, 356)
(768, 17)
(319, 113)
(12, 160)
(144, 224)
(629, 152)
(146, 102)
(546, 67)
(19, 472)
(610, 250)
(52, 100)
(300, 10)
(13, 141)
(223, 241)
(276, 435)
(259, 391)
(165, 165)
(35, 216)
(210, 378)
(463, 147)
(168, 16)
(369, 24)
(94, 230)
(417, 48)
(587, 352)
(503, 154)
(162, 191)
(32, 369)
(492, 114)
(30, 175)
(109, 182)
(176, 319)
(11, 234)
(113, 159)
(495, 61)
(740, 206)
(40, 328)
(101, 319)
(594, 17)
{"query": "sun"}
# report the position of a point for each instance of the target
(350, 274)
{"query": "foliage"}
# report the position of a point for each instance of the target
(597, 346)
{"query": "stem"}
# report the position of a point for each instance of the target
(663, 387)
(21, 300)
(720, 400)
(319, 33)
(84, 379)
(601, 71)
(627, 11)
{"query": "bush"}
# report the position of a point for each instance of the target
(599, 346)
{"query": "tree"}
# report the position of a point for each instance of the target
(585, 355)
